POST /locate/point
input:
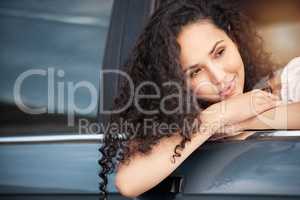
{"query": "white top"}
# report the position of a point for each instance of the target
(290, 81)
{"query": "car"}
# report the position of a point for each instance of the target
(42, 157)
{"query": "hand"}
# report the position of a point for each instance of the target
(238, 108)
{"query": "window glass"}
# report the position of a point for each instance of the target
(50, 62)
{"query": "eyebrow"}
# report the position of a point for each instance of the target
(214, 47)
(211, 51)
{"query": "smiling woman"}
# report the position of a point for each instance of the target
(218, 73)
(212, 51)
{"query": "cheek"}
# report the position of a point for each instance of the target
(233, 62)
(237, 67)
(242, 75)
(240, 69)
(202, 87)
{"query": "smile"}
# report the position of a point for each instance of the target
(227, 91)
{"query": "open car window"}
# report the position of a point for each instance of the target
(51, 59)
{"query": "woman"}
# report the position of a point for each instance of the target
(213, 53)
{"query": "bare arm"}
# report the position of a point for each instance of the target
(282, 117)
(144, 172)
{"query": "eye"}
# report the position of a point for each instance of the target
(195, 72)
(220, 53)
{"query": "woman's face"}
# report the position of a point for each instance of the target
(211, 62)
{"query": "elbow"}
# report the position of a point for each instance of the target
(124, 188)
(126, 192)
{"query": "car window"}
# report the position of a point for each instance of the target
(50, 62)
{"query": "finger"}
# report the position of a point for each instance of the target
(272, 96)
(273, 105)
(266, 94)
(260, 96)
(262, 105)
(271, 100)
(279, 103)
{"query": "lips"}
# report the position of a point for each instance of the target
(229, 88)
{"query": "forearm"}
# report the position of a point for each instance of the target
(282, 117)
(146, 171)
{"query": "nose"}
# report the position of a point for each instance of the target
(216, 72)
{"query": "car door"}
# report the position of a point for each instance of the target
(65, 45)
(266, 165)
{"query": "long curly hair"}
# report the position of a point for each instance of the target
(155, 58)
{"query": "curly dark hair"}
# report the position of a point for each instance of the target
(155, 58)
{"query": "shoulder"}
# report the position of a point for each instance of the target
(291, 70)
(295, 60)
(290, 81)
(292, 67)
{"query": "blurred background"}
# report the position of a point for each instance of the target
(278, 22)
